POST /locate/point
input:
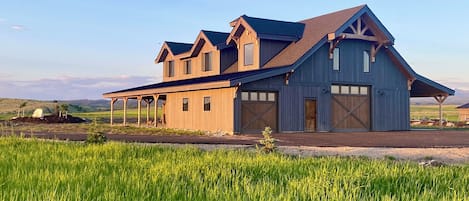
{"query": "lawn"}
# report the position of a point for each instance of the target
(431, 111)
(32, 169)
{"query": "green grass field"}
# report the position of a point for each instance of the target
(431, 111)
(43, 170)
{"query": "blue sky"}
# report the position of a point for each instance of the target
(89, 47)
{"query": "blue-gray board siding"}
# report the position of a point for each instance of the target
(270, 48)
(227, 57)
(388, 88)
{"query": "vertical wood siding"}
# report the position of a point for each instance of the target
(388, 88)
(219, 118)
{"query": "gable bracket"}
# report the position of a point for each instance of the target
(374, 50)
(334, 42)
(287, 76)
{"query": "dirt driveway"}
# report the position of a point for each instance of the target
(401, 139)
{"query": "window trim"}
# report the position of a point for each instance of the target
(251, 45)
(188, 67)
(336, 59)
(207, 105)
(207, 66)
(171, 69)
(185, 104)
(366, 62)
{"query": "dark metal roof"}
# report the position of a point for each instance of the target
(216, 37)
(200, 80)
(271, 28)
(178, 48)
(463, 106)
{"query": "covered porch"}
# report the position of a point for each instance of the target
(154, 103)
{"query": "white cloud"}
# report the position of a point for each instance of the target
(18, 27)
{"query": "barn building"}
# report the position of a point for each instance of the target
(332, 73)
(463, 111)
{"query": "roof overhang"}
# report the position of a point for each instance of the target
(164, 51)
(171, 89)
(424, 87)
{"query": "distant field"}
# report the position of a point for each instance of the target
(44, 170)
(431, 111)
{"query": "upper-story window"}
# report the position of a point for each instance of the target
(207, 61)
(366, 61)
(187, 67)
(248, 54)
(170, 68)
(336, 59)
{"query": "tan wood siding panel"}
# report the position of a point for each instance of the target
(463, 114)
(219, 118)
(248, 37)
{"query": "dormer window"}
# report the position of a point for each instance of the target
(207, 61)
(187, 67)
(248, 54)
(170, 68)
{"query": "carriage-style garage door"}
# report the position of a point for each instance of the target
(258, 110)
(350, 108)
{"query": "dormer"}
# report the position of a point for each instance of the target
(259, 40)
(170, 55)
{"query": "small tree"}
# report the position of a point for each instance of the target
(63, 110)
(22, 105)
(268, 143)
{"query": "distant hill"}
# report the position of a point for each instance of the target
(8, 105)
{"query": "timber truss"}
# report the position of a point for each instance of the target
(362, 29)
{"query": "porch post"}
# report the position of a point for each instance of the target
(440, 99)
(155, 99)
(139, 110)
(148, 102)
(111, 119)
(125, 99)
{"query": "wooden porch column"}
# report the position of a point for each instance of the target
(155, 99)
(440, 99)
(139, 110)
(111, 120)
(148, 102)
(125, 99)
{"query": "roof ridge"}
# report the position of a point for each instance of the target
(178, 43)
(273, 20)
(203, 30)
(339, 11)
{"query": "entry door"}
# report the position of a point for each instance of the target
(310, 115)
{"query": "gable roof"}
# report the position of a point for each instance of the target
(216, 37)
(178, 48)
(316, 29)
(172, 48)
(465, 106)
(266, 28)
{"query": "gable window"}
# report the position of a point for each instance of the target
(170, 68)
(187, 67)
(207, 61)
(248, 54)
(185, 104)
(366, 61)
(207, 103)
(336, 59)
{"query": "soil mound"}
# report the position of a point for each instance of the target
(50, 119)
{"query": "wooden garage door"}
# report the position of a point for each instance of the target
(258, 110)
(350, 108)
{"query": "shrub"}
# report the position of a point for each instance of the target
(268, 143)
(95, 135)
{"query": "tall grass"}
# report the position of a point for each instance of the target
(44, 170)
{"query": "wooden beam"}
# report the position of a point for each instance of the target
(409, 84)
(440, 99)
(148, 103)
(360, 37)
(111, 119)
(139, 110)
(353, 29)
(125, 99)
(374, 50)
(155, 99)
(333, 44)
